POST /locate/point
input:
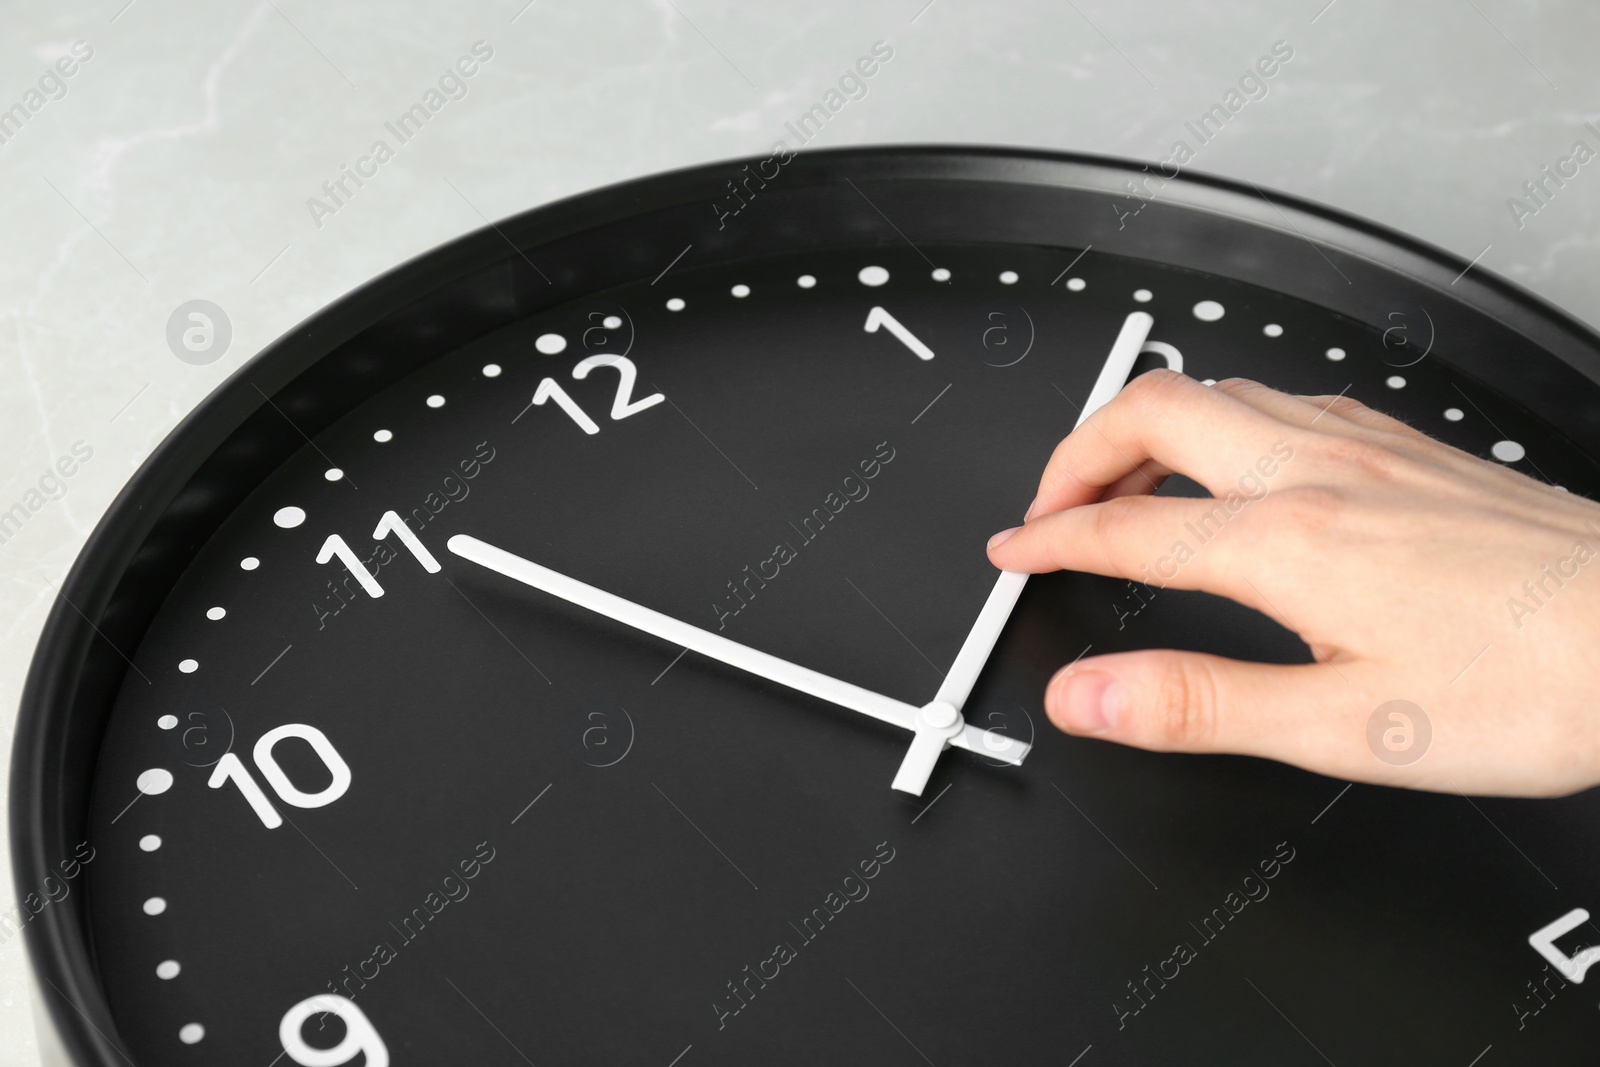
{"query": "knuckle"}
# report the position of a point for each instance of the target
(1186, 695)
(1064, 475)
(1154, 390)
(1343, 406)
(1241, 387)
(1061, 472)
(1116, 529)
(1109, 521)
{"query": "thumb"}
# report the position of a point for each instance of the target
(1190, 702)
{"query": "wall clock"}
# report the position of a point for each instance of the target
(560, 651)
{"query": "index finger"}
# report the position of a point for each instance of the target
(1165, 417)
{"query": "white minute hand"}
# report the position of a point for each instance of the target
(709, 644)
(932, 734)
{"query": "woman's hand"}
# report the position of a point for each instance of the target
(1414, 571)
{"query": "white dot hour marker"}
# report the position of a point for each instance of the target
(333, 474)
(167, 722)
(249, 563)
(1272, 329)
(383, 437)
(215, 613)
(155, 906)
(289, 517)
(436, 401)
(551, 344)
(941, 274)
(1142, 295)
(1077, 285)
(191, 1034)
(873, 276)
(1335, 354)
(150, 842)
(1454, 414)
(1008, 277)
(612, 322)
(1208, 311)
(491, 370)
(167, 970)
(154, 782)
(740, 291)
(189, 666)
(1507, 451)
(806, 281)
(676, 304)
(1394, 381)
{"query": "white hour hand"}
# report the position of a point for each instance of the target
(952, 696)
(717, 647)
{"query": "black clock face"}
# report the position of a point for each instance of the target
(362, 800)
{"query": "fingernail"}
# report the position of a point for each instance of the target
(1002, 537)
(1090, 702)
(1026, 515)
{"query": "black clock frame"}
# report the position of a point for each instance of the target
(1494, 332)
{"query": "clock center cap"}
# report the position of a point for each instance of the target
(939, 715)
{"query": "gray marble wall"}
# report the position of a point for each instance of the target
(176, 161)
